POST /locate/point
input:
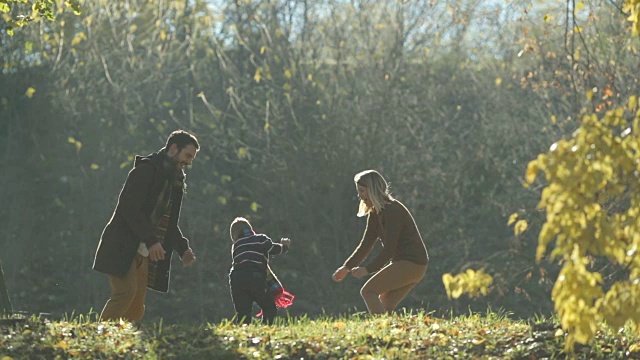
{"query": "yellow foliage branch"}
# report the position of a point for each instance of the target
(471, 282)
(632, 7)
(592, 202)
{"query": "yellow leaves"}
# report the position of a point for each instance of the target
(78, 38)
(95, 166)
(520, 227)
(632, 7)
(29, 93)
(618, 113)
(380, 26)
(254, 206)
(589, 215)
(633, 103)
(546, 17)
(512, 218)
(634, 348)
(258, 75)
(77, 143)
(451, 286)
(473, 283)
(339, 325)
(288, 73)
(592, 210)
(498, 81)
(532, 171)
(243, 152)
(575, 294)
(35, 12)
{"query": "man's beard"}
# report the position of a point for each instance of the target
(174, 160)
(176, 174)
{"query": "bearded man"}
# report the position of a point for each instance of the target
(136, 245)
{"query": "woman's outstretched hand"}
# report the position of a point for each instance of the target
(340, 274)
(359, 271)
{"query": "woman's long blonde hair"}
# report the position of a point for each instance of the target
(377, 188)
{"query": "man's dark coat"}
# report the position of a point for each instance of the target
(131, 221)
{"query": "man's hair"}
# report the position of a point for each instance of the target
(377, 188)
(238, 225)
(181, 138)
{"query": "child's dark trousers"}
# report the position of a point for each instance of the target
(249, 285)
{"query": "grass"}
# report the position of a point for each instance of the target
(358, 336)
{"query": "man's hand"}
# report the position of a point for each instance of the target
(156, 252)
(285, 241)
(359, 272)
(340, 274)
(188, 258)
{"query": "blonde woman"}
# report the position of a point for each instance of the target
(402, 263)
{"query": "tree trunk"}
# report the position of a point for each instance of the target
(5, 303)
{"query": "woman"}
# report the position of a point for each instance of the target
(402, 263)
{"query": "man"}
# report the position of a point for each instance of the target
(136, 245)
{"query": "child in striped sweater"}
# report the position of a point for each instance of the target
(250, 266)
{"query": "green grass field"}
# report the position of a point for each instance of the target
(359, 336)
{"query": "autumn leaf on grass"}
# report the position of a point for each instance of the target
(607, 93)
(633, 102)
(590, 94)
